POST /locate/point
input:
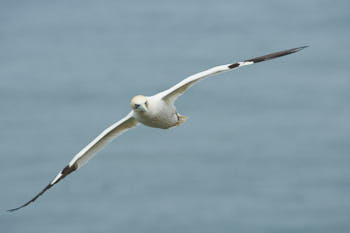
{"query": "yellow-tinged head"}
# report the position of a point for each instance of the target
(139, 103)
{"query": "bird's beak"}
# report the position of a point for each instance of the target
(141, 107)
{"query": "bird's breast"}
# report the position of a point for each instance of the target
(159, 115)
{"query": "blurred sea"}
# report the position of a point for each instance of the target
(266, 147)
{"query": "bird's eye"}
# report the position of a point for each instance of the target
(146, 103)
(136, 106)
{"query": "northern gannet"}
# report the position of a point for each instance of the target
(157, 111)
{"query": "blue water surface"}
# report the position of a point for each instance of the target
(266, 147)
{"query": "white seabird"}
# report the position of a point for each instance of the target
(157, 111)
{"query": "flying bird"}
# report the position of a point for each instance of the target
(157, 111)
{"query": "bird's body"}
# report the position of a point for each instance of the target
(157, 111)
(160, 114)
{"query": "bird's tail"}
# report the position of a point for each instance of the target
(181, 119)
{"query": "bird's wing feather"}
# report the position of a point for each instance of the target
(175, 91)
(89, 151)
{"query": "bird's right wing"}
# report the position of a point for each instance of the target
(89, 151)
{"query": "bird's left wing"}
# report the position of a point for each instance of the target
(175, 91)
(89, 151)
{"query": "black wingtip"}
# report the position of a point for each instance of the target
(32, 200)
(15, 209)
(267, 57)
(66, 170)
(293, 50)
(276, 54)
(300, 48)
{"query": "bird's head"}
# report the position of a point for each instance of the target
(139, 103)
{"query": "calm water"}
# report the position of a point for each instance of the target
(266, 148)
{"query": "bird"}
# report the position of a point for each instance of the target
(157, 111)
